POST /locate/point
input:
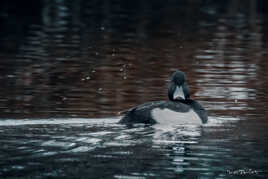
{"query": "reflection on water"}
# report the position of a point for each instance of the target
(66, 65)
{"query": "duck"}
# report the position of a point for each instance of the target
(180, 109)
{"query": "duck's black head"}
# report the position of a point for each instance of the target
(178, 88)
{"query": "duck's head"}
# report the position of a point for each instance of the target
(178, 88)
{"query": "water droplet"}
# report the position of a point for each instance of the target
(10, 76)
(88, 78)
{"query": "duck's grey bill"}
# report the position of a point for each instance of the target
(178, 93)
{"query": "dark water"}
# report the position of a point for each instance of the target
(67, 68)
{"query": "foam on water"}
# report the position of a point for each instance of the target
(220, 121)
(18, 122)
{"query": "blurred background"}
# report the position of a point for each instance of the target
(95, 58)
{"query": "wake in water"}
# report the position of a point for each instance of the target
(18, 122)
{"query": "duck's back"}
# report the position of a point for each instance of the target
(161, 112)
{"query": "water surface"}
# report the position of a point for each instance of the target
(68, 68)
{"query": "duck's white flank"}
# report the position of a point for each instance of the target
(167, 116)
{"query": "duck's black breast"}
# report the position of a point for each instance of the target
(145, 113)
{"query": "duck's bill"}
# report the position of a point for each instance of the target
(178, 94)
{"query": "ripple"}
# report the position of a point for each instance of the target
(93, 141)
(53, 143)
(82, 149)
(220, 121)
(16, 122)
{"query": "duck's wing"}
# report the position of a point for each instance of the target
(141, 113)
(199, 109)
